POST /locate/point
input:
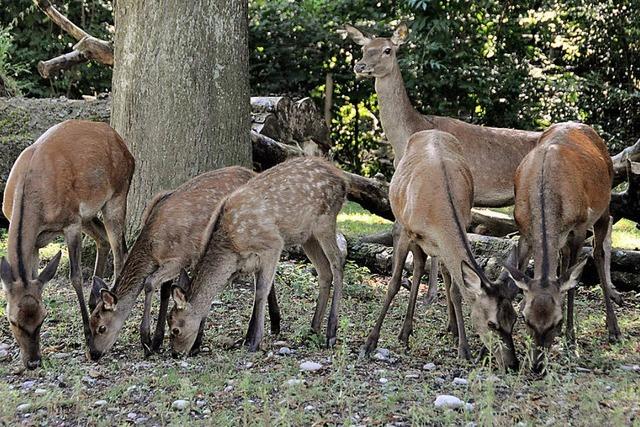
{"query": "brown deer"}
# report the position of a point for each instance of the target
(57, 186)
(434, 209)
(170, 240)
(563, 188)
(295, 202)
(492, 173)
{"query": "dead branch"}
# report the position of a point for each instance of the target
(631, 153)
(88, 47)
(627, 203)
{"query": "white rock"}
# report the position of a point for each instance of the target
(294, 381)
(228, 388)
(309, 408)
(24, 407)
(206, 411)
(429, 366)
(284, 351)
(40, 391)
(634, 368)
(132, 415)
(200, 403)
(4, 346)
(412, 375)
(468, 406)
(310, 366)
(184, 364)
(447, 401)
(141, 420)
(4, 354)
(180, 404)
(99, 403)
(383, 352)
(460, 381)
(383, 380)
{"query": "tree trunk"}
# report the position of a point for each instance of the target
(180, 91)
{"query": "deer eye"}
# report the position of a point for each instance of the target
(387, 51)
(102, 329)
(175, 331)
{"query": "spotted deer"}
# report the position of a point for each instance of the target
(431, 195)
(58, 185)
(170, 239)
(293, 203)
(492, 154)
(563, 189)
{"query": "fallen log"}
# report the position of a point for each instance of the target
(631, 153)
(88, 47)
(490, 252)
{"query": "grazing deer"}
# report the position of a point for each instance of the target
(57, 186)
(431, 195)
(170, 239)
(295, 202)
(563, 188)
(492, 154)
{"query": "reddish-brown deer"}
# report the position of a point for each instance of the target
(170, 239)
(295, 202)
(492, 173)
(57, 186)
(431, 194)
(563, 189)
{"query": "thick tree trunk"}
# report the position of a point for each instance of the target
(180, 91)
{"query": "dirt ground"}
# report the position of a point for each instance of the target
(598, 384)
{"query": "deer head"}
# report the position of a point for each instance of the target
(25, 310)
(492, 315)
(183, 321)
(543, 302)
(106, 321)
(378, 53)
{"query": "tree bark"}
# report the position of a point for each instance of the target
(180, 91)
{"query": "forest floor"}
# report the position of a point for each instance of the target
(597, 384)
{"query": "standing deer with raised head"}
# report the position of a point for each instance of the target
(563, 189)
(170, 240)
(434, 210)
(57, 186)
(295, 202)
(492, 173)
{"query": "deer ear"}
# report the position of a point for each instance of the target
(400, 35)
(571, 277)
(520, 279)
(471, 279)
(356, 35)
(179, 297)
(183, 280)
(50, 270)
(6, 274)
(109, 300)
(96, 288)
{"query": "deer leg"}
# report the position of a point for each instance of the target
(419, 260)
(114, 214)
(264, 281)
(274, 310)
(602, 258)
(570, 254)
(316, 255)
(158, 336)
(452, 325)
(400, 251)
(163, 274)
(95, 229)
(463, 346)
(195, 348)
(73, 238)
(327, 240)
(432, 293)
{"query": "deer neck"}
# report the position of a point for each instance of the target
(23, 234)
(214, 270)
(139, 265)
(398, 117)
(546, 228)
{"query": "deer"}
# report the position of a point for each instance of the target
(434, 209)
(58, 185)
(173, 224)
(563, 189)
(492, 174)
(293, 203)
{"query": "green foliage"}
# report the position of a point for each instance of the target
(523, 64)
(36, 38)
(8, 71)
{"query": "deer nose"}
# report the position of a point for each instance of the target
(94, 355)
(360, 67)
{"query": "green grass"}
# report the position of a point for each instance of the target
(355, 221)
(587, 386)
